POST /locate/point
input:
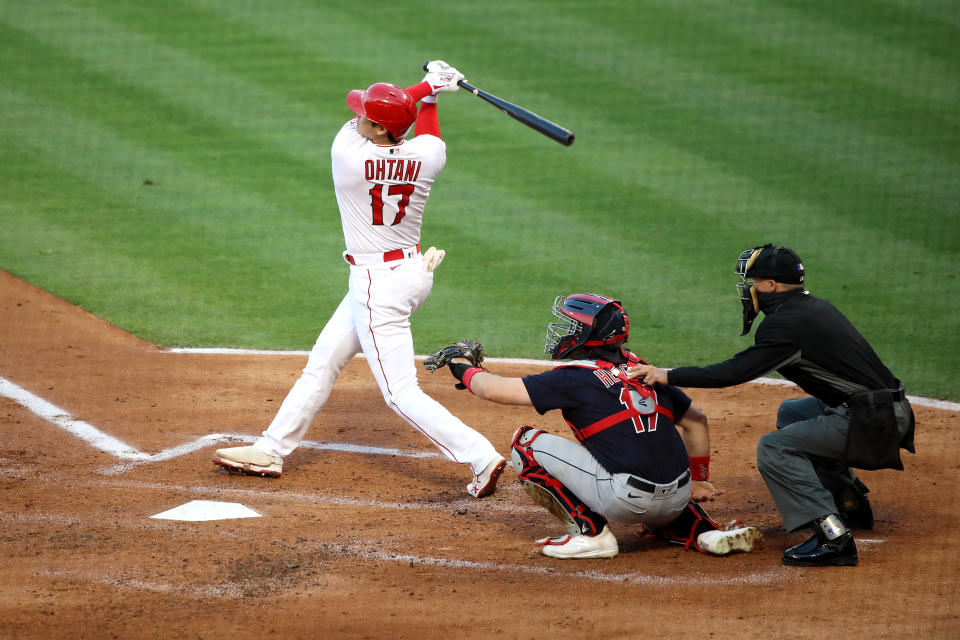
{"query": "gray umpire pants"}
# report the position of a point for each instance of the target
(608, 493)
(802, 461)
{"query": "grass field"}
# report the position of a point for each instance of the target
(165, 165)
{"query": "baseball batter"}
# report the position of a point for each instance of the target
(382, 182)
(630, 463)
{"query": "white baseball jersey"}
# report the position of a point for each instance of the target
(381, 190)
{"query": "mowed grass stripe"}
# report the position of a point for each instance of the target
(161, 247)
(674, 169)
(758, 130)
(158, 74)
(789, 145)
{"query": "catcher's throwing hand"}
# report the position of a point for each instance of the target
(469, 350)
(703, 491)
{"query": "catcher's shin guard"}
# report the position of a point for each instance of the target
(549, 492)
(688, 526)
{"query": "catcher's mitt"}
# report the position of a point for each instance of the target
(469, 349)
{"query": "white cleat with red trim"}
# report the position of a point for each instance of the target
(486, 483)
(248, 460)
(602, 545)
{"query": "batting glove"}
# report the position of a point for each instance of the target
(442, 77)
(432, 258)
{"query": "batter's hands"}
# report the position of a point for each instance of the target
(432, 258)
(442, 77)
(703, 491)
(648, 374)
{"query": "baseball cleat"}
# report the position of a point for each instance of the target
(602, 545)
(248, 460)
(720, 543)
(486, 483)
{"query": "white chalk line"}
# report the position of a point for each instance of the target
(754, 578)
(933, 403)
(229, 590)
(64, 420)
(216, 438)
(109, 444)
(368, 551)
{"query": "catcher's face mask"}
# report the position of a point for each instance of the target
(577, 323)
(747, 289)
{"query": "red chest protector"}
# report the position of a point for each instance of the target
(639, 400)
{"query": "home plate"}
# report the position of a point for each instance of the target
(198, 510)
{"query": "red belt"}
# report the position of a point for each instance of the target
(388, 256)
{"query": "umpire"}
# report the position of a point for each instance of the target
(857, 414)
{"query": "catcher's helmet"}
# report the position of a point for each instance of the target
(585, 320)
(387, 105)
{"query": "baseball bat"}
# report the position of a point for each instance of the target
(529, 118)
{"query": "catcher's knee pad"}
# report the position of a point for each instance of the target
(549, 492)
(521, 457)
(687, 527)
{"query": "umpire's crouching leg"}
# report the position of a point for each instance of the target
(791, 478)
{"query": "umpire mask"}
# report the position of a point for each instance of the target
(747, 289)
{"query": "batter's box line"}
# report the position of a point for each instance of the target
(216, 438)
(135, 458)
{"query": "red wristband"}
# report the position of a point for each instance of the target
(468, 376)
(419, 90)
(700, 467)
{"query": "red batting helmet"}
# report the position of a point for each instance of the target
(585, 320)
(386, 104)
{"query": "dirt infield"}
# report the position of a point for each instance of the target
(386, 543)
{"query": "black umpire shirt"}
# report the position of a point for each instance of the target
(809, 342)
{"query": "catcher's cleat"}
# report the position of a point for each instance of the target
(720, 543)
(602, 545)
(486, 483)
(248, 460)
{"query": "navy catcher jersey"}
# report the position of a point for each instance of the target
(645, 443)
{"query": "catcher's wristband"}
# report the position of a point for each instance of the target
(468, 376)
(700, 467)
(458, 369)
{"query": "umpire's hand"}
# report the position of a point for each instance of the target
(648, 374)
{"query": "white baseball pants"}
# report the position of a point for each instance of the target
(374, 318)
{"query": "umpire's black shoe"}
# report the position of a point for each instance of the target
(854, 506)
(817, 551)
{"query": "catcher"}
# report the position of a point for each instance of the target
(630, 463)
